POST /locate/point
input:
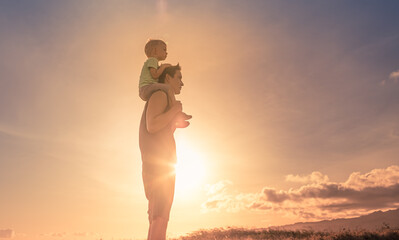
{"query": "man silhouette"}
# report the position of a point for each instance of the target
(159, 120)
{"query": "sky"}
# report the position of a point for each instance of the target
(295, 110)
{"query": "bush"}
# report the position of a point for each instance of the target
(255, 234)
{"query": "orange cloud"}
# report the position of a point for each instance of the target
(314, 177)
(219, 198)
(394, 76)
(68, 235)
(375, 178)
(318, 198)
(6, 233)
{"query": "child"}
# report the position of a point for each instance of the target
(155, 51)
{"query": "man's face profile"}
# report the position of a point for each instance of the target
(175, 82)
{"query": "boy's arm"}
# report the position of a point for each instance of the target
(157, 119)
(155, 73)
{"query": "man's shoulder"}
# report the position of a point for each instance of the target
(157, 103)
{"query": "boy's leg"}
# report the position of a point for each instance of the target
(166, 88)
(146, 91)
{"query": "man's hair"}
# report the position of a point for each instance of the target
(150, 45)
(168, 71)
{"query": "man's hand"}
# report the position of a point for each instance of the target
(181, 120)
(177, 107)
(156, 116)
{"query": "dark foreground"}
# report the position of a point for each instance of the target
(248, 234)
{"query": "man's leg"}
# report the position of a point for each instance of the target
(158, 229)
(149, 230)
(159, 205)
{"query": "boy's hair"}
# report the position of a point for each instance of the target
(170, 71)
(151, 44)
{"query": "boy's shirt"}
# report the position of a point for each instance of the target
(145, 76)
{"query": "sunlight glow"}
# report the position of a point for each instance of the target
(161, 6)
(190, 169)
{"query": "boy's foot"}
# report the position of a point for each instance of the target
(186, 116)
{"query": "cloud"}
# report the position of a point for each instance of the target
(84, 234)
(394, 76)
(58, 234)
(314, 177)
(17, 133)
(218, 188)
(375, 178)
(318, 198)
(219, 198)
(6, 233)
(65, 234)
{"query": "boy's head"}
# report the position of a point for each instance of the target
(156, 48)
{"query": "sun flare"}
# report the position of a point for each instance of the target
(190, 169)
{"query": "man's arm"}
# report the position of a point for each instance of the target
(157, 119)
(155, 73)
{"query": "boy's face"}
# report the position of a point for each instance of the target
(160, 52)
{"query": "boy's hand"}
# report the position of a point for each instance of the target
(155, 73)
(165, 65)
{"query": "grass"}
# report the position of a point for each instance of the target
(252, 234)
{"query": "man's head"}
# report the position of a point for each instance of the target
(172, 76)
(156, 48)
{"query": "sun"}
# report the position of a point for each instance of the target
(190, 168)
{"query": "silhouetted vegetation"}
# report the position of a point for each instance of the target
(252, 234)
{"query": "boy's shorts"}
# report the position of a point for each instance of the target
(159, 190)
